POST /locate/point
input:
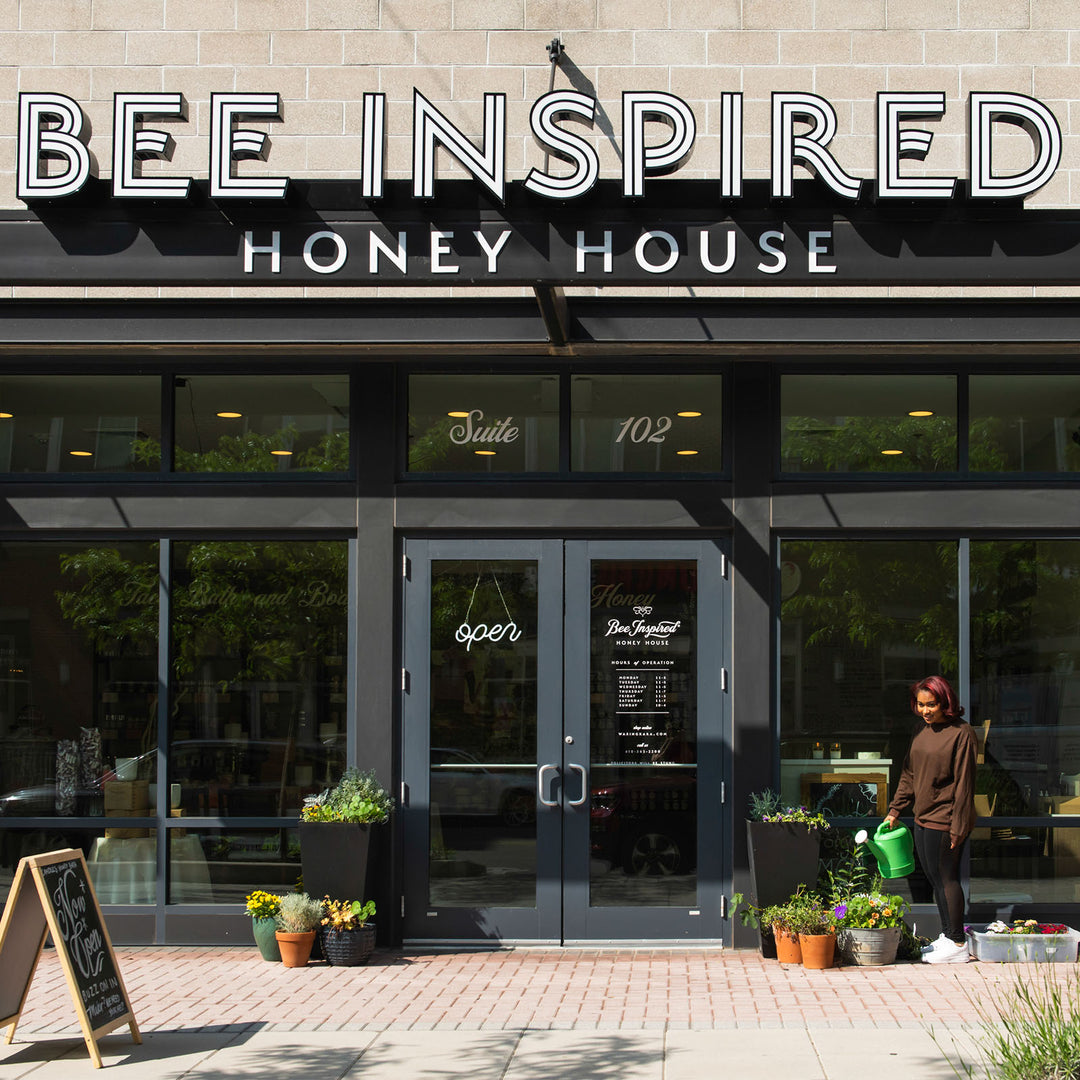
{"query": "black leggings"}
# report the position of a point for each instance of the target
(941, 864)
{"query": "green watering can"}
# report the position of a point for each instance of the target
(893, 848)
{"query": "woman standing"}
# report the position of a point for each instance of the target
(939, 781)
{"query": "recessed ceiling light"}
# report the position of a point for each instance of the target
(80, 453)
(892, 453)
(921, 412)
(485, 453)
(458, 414)
(688, 412)
(230, 415)
(6, 415)
(281, 453)
(685, 453)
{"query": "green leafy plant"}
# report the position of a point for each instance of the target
(357, 797)
(298, 913)
(347, 914)
(808, 914)
(1028, 1029)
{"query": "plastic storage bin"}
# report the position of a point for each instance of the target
(1023, 948)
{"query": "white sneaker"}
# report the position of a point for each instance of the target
(941, 939)
(948, 952)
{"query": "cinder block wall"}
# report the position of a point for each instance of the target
(322, 55)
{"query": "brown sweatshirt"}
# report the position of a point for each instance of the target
(939, 779)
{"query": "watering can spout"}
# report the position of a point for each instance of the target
(893, 848)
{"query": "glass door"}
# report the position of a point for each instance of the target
(563, 719)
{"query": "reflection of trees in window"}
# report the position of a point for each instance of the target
(252, 452)
(269, 608)
(872, 594)
(856, 444)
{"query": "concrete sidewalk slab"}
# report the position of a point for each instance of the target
(589, 1055)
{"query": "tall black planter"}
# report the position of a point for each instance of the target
(334, 859)
(783, 856)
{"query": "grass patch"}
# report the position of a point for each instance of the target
(1028, 1029)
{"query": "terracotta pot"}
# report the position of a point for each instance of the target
(295, 948)
(818, 950)
(788, 950)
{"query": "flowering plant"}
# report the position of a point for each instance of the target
(357, 797)
(768, 806)
(1026, 926)
(870, 911)
(262, 905)
(346, 914)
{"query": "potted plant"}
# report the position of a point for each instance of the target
(784, 844)
(263, 907)
(780, 920)
(347, 935)
(297, 920)
(815, 923)
(869, 927)
(335, 834)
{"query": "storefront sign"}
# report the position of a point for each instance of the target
(561, 227)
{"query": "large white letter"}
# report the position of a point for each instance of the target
(63, 141)
(638, 159)
(573, 148)
(731, 145)
(132, 145)
(431, 127)
(227, 144)
(373, 150)
(894, 144)
(810, 148)
(1035, 118)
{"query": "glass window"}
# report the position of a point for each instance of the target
(643, 735)
(258, 658)
(868, 423)
(78, 678)
(483, 423)
(80, 423)
(19, 842)
(646, 423)
(483, 734)
(860, 622)
(1024, 423)
(1025, 706)
(221, 866)
(262, 423)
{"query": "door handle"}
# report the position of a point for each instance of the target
(540, 784)
(584, 785)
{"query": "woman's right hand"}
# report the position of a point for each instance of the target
(890, 820)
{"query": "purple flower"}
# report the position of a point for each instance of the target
(840, 910)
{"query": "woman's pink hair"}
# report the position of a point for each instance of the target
(943, 693)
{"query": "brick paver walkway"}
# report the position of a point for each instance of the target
(205, 988)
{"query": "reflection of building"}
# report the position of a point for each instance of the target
(255, 454)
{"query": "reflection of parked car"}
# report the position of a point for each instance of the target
(463, 786)
(646, 823)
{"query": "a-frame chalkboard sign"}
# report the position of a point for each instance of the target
(52, 893)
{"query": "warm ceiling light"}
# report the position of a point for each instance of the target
(281, 453)
(80, 453)
(685, 453)
(920, 412)
(485, 453)
(458, 414)
(892, 453)
(230, 415)
(6, 415)
(688, 412)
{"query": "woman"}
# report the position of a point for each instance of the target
(939, 780)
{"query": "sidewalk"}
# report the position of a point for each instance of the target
(514, 1014)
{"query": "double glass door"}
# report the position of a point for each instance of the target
(564, 718)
